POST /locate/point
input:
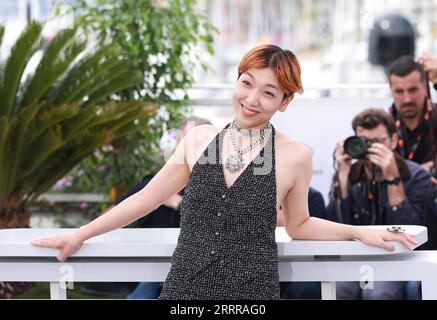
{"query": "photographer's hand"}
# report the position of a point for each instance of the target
(429, 62)
(428, 166)
(384, 158)
(343, 162)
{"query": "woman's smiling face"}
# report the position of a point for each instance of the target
(257, 96)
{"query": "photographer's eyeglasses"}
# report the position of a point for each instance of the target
(380, 140)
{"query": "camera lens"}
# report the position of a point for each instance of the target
(355, 147)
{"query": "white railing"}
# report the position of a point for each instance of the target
(135, 255)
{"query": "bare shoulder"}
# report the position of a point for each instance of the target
(198, 139)
(293, 164)
(205, 129)
(292, 152)
(203, 133)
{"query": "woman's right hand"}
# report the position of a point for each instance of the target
(67, 244)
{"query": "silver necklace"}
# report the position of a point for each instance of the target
(235, 162)
(247, 132)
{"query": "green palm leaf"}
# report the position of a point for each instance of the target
(60, 114)
(128, 79)
(93, 79)
(18, 138)
(61, 162)
(7, 157)
(48, 119)
(80, 75)
(47, 144)
(4, 129)
(52, 65)
(2, 33)
(15, 65)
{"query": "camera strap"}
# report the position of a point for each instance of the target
(408, 148)
(430, 116)
(373, 194)
(337, 192)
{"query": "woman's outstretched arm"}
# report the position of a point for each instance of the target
(300, 225)
(168, 181)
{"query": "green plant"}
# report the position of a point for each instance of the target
(160, 38)
(59, 113)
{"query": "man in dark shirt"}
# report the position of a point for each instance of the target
(415, 120)
(416, 123)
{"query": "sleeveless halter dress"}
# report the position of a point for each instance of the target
(226, 248)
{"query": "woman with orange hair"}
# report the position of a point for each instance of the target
(235, 179)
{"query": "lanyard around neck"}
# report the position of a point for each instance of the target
(408, 148)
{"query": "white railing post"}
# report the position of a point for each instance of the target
(58, 291)
(429, 289)
(328, 290)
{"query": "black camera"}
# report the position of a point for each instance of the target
(357, 147)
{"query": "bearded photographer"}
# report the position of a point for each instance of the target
(375, 186)
(415, 117)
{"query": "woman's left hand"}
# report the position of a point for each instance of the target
(381, 238)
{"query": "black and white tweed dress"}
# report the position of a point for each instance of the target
(226, 247)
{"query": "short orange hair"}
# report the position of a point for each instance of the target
(283, 63)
